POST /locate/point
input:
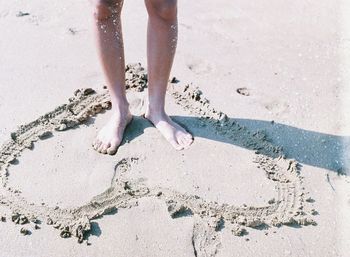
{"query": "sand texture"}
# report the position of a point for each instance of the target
(263, 87)
(288, 206)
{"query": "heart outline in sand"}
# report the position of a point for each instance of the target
(288, 208)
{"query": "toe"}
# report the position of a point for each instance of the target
(184, 137)
(186, 142)
(175, 144)
(189, 136)
(189, 142)
(182, 141)
(105, 147)
(113, 148)
(97, 144)
(189, 139)
(100, 148)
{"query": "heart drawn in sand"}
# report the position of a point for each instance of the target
(286, 208)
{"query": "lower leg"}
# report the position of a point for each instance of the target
(111, 53)
(161, 46)
(109, 40)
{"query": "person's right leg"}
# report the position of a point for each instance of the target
(111, 52)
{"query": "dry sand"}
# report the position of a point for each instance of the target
(265, 105)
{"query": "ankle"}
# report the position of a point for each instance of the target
(120, 108)
(155, 111)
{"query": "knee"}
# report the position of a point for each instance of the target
(163, 9)
(105, 9)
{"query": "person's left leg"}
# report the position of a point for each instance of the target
(161, 46)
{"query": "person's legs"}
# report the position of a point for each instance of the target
(111, 52)
(161, 46)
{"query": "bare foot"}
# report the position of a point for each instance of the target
(111, 135)
(176, 135)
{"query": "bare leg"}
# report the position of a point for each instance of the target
(161, 46)
(111, 52)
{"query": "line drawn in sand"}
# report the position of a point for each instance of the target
(288, 208)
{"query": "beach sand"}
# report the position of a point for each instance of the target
(262, 88)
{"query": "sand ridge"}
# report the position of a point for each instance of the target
(288, 207)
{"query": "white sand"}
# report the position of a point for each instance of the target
(292, 58)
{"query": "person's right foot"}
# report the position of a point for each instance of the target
(111, 135)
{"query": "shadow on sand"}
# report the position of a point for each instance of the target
(307, 147)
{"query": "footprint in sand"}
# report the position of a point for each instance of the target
(243, 91)
(199, 67)
(277, 107)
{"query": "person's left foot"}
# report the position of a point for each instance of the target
(176, 135)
